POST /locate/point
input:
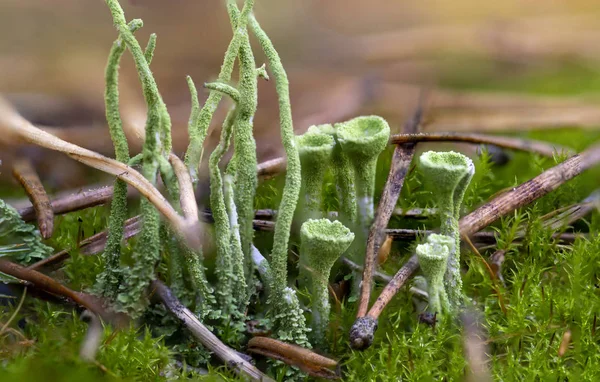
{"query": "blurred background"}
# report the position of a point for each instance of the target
(513, 65)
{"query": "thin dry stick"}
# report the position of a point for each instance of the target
(13, 125)
(79, 200)
(229, 356)
(271, 167)
(401, 159)
(187, 199)
(73, 202)
(89, 246)
(493, 277)
(528, 145)
(382, 277)
(529, 191)
(24, 172)
(362, 332)
(306, 360)
(413, 213)
(48, 284)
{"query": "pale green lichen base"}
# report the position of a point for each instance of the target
(433, 260)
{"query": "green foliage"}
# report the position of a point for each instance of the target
(129, 354)
(20, 241)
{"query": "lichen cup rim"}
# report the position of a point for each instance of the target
(315, 141)
(323, 128)
(432, 252)
(437, 160)
(439, 239)
(336, 231)
(353, 131)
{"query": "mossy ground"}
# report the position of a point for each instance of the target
(549, 287)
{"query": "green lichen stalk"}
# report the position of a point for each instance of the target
(343, 174)
(241, 294)
(157, 143)
(289, 199)
(224, 269)
(200, 118)
(110, 278)
(363, 139)
(322, 243)
(433, 260)
(448, 175)
(315, 153)
(246, 179)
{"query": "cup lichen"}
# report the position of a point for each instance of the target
(363, 139)
(448, 175)
(315, 152)
(322, 243)
(433, 260)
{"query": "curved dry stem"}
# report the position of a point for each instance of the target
(13, 125)
(187, 198)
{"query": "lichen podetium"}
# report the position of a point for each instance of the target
(322, 243)
(433, 260)
(447, 175)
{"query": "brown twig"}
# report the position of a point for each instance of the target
(306, 360)
(89, 246)
(401, 159)
(24, 172)
(73, 202)
(413, 213)
(529, 191)
(187, 199)
(79, 200)
(230, 357)
(362, 332)
(271, 167)
(48, 284)
(382, 277)
(528, 145)
(13, 125)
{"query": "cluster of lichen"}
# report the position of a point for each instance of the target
(351, 147)
(351, 152)
(125, 280)
(447, 175)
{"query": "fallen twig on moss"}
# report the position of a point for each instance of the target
(24, 172)
(230, 357)
(90, 246)
(529, 191)
(13, 125)
(48, 284)
(306, 360)
(73, 201)
(528, 145)
(187, 199)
